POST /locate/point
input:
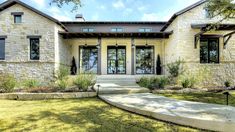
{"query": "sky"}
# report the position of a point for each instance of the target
(114, 10)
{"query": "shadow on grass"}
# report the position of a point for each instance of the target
(85, 115)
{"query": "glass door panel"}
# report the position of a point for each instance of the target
(144, 60)
(88, 59)
(116, 60)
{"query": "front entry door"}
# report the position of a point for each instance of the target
(116, 60)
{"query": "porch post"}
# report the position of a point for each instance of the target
(99, 56)
(132, 57)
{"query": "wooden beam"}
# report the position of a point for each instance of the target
(227, 37)
(197, 38)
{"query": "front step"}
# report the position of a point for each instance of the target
(121, 90)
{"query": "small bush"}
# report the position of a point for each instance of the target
(31, 83)
(227, 84)
(7, 82)
(84, 81)
(63, 72)
(153, 82)
(144, 82)
(175, 68)
(62, 84)
(188, 82)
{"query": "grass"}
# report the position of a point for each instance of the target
(90, 115)
(215, 98)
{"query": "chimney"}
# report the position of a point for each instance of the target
(79, 18)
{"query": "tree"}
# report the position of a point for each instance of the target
(223, 8)
(159, 65)
(60, 3)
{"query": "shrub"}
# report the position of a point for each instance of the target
(62, 73)
(31, 83)
(175, 68)
(144, 82)
(188, 82)
(84, 81)
(153, 82)
(62, 84)
(227, 84)
(7, 82)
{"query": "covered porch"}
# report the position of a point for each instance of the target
(118, 53)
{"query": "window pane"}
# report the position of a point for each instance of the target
(113, 30)
(2, 49)
(148, 30)
(144, 60)
(203, 51)
(89, 59)
(119, 30)
(18, 18)
(91, 29)
(214, 51)
(85, 29)
(141, 30)
(34, 49)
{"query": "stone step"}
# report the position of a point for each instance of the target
(123, 90)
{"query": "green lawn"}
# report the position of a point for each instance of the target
(90, 115)
(215, 98)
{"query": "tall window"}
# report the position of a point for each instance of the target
(89, 59)
(209, 50)
(34, 49)
(2, 48)
(117, 30)
(144, 60)
(145, 30)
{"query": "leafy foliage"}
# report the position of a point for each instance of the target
(7, 82)
(175, 68)
(153, 82)
(227, 83)
(31, 83)
(62, 73)
(62, 84)
(224, 8)
(159, 67)
(60, 3)
(188, 82)
(84, 81)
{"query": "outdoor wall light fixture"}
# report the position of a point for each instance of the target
(146, 44)
(98, 46)
(133, 46)
(116, 43)
(85, 43)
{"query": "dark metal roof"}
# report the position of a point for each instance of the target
(182, 12)
(68, 35)
(114, 22)
(218, 27)
(10, 3)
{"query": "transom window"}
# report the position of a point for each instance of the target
(2, 48)
(209, 50)
(145, 30)
(88, 30)
(34, 49)
(117, 29)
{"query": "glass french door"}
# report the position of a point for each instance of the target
(144, 60)
(116, 60)
(88, 59)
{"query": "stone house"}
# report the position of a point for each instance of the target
(34, 45)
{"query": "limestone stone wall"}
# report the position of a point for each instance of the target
(181, 45)
(17, 57)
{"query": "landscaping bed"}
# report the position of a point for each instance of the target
(91, 115)
(43, 96)
(204, 97)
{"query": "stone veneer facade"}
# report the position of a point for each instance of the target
(56, 51)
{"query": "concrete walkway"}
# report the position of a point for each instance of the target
(194, 114)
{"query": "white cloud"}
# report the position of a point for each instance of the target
(149, 17)
(40, 3)
(59, 14)
(118, 4)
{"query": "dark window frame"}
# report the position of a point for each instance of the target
(209, 49)
(4, 53)
(15, 20)
(30, 49)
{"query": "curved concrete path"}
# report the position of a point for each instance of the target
(194, 114)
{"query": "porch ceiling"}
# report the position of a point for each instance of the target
(68, 35)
